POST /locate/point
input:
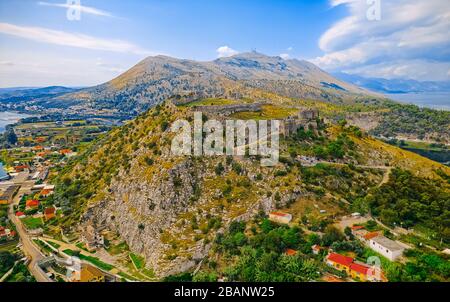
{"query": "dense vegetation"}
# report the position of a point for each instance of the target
(408, 200)
(411, 119)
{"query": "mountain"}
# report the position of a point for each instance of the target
(158, 78)
(171, 209)
(21, 93)
(394, 85)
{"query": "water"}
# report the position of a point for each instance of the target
(434, 100)
(3, 174)
(8, 118)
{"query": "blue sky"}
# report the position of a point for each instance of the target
(40, 46)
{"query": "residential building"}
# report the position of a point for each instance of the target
(31, 204)
(280, 217)
(8, 194)
(290, 252)
(49, 213)
(356, 270)
(87, 273)
(20, 215)
(386, 247)
(45, 193)
(316, 249)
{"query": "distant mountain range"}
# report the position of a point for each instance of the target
(158, 78)
(18, 93)
(393, 86)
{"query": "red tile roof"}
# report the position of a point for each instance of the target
(65, 151)
(32, 203)
(340, 259)
(360, 268)
(45, 192)
(371, 235)
(357, 227)
(290, 252)
(49, 211)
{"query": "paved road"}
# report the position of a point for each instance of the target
(28, 247)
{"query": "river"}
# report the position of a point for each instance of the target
(434, 100)
(8, 118)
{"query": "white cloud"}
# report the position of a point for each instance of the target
(284, 56)
(31, 68)
(225, 51)
(409, 30)
(82, 8)
(57, 37)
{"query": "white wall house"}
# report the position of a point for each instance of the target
(386, 247)
(280, 217)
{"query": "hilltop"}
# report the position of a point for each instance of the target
(158, 78)
(169, 209)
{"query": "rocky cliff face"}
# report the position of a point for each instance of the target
(170, 208)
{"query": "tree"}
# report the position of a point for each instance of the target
(332, 234)
(10, 136)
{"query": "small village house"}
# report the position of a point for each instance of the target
(386, 247)
(356, 270)
(31, 204)
(280, 217)
(49, 213)
(316, 249)
(20, 215)
(290, 252)
(87, 273)
(45, 193)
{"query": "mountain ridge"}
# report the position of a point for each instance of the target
(157, 78)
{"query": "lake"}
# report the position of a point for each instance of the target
(8, 118)
(435, 100)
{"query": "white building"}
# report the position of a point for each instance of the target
(280, 217)
(386, 247)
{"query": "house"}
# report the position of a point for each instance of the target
(316, 249)
(49, 187)
(20, 215)
(87, 273)
(6, 233)
(49, 213)
(45, 193)
(290, 252)
(356, 270)
(31, 204)
(356, 228)
(368, 236)
(280, 217)
(66, 152)
(386, 247)
(20, 168)
(339, 262)
(9, 194)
